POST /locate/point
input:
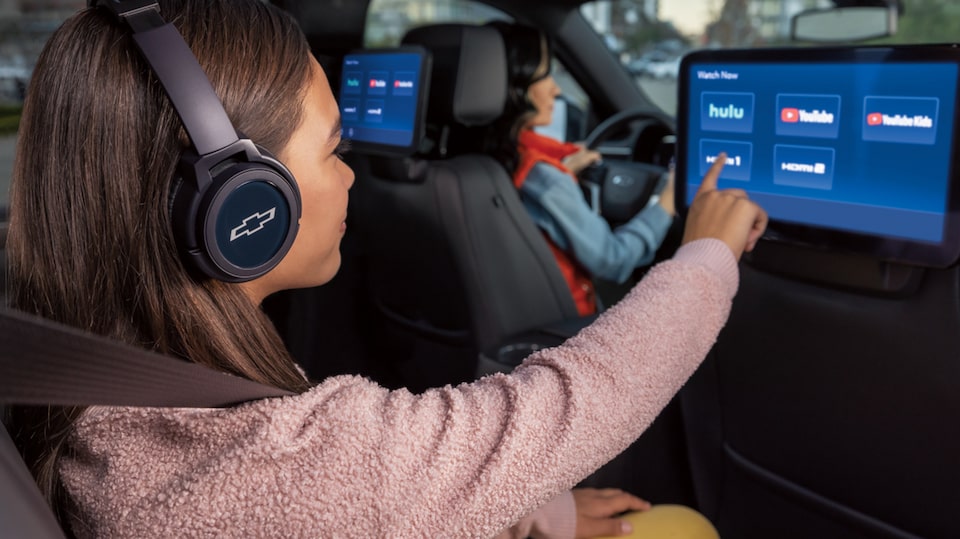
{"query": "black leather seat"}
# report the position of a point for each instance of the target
(455, 264)
(829, 405)
(23, 511)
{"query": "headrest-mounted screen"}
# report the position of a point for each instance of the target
(382, 99)
(847, 149)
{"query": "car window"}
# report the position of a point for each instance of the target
(649, 38)
(24, 28)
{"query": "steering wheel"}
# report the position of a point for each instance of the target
(648, 119)
(618, 189)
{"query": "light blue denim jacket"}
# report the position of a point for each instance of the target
(558, 207)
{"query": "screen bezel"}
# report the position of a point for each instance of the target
(900, 250)
(426, 66)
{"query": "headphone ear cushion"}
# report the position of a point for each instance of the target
(182, 210)
(175, 185)
(243, 221)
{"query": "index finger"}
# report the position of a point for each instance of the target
(709, 182)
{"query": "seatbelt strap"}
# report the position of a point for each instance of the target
(44, 362)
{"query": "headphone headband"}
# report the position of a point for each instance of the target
(179, 73)
(234, 209)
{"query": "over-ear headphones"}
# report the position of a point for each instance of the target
(235, 210)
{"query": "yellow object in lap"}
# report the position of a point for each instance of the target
(669, 522)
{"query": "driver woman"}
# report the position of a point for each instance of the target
(545, 171)
(90, 245)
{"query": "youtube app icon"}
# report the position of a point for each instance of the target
(874, 118)
(808, 115)
(789, 115)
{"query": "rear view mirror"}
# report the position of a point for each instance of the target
(844, 24)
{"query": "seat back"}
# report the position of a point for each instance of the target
(829, 405)
(23, 511)
(455, 263)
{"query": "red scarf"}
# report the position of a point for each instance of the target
(532, 149)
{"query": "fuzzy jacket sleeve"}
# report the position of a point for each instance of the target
(351, 459)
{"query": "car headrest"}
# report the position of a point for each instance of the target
(468, 85)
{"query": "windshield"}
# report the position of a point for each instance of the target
(651, 37)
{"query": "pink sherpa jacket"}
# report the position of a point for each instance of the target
(349, 458)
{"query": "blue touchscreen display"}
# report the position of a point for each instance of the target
(857, 147)
(381, 99)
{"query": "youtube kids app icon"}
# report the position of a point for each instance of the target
(404, 83)
(905, 120)
(808, 115)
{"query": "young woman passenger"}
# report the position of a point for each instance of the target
(89, 246)
(545, 171)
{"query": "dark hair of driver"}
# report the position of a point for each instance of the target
(528, 52)
(89, 240)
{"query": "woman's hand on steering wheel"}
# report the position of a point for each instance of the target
(576, 162)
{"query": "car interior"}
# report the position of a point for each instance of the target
(455, 265)
(825, 408)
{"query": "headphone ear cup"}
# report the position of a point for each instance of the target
(234, 210)
(241, 223)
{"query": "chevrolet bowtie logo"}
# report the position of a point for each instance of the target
(253, 224)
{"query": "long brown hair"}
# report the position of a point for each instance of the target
(89, 242)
